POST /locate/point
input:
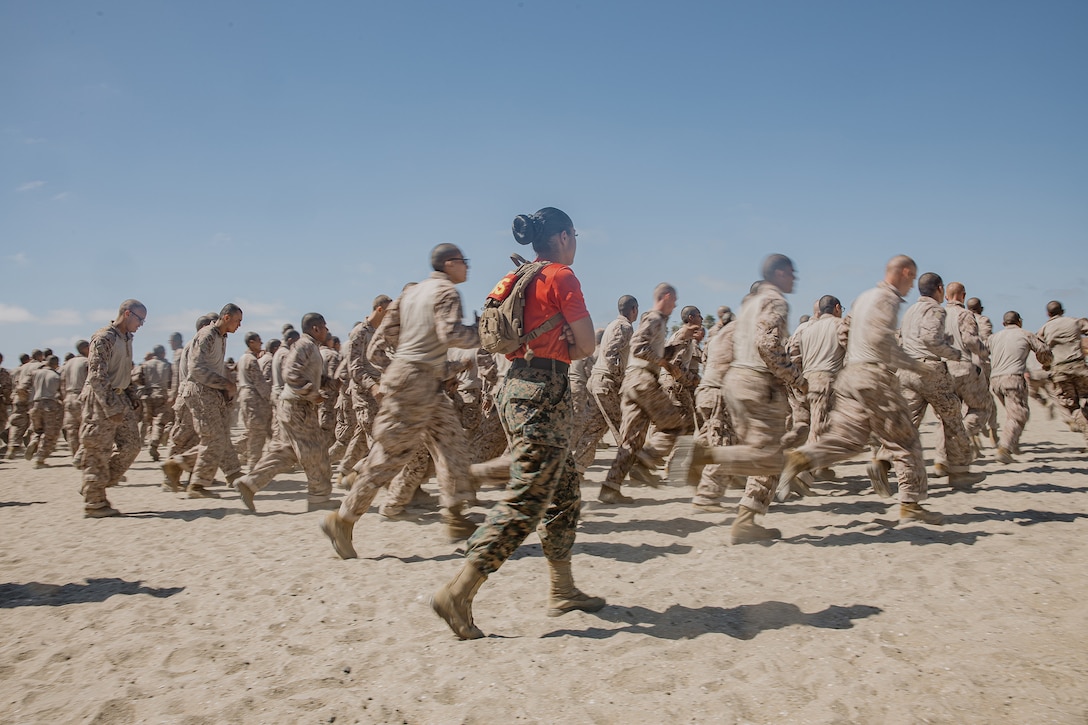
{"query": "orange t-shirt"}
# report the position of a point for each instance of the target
(555, 289)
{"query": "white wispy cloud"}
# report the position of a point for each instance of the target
(19, 258)
(12, 313)
(253, 308)
(61, 196)
(30, 186)
(63, 317)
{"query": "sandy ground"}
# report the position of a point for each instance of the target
(194, 611)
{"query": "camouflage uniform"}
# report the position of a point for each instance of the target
(800, 420)
(46, 412)
(152, 378)
(490, 440)
(326, 411)
(967, 374)
(299, 438)
(421, 325)
(345, 413)
(255, 401)
(926, 340)
(19, 421)
(6, 389)
(278, 360)
(73, 375)
(363, 377)
(642, 400)
(579, 390)
(717, 426)
(985, 331)
(1008, 354)
(868, 401)
(110, 433)
(1069, 375)
(818, 350)
(685, 355)
(755, 391)
(544, 492)
(206, 398)
(605, 383)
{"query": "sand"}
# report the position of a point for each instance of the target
(194, 611)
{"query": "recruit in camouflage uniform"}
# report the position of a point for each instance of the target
(985, 331)
(972, 388)
(6, 389)
(326, 411)
(46, 412)
(868, 402)
(299, 438)
(208, 395)
(153, 378)
(925, 339)
(818, 350)
(73, 375)
(717, 426)
(642, 400)
(19, 420)
(364, 386)
(1008, 358)
(255, 402)
(110, 433)
(1069, 374)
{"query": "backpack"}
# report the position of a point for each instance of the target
(502, 324)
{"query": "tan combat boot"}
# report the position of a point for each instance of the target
(172, 474)
(453, 602)
(1003, 455)
(564, 596)
(458, 526)
(964, 480)
(915, 512)
(792, 478)
(339, 532)
(878, 476)
(745, 530)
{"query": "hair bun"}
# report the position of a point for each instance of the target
(526, 228)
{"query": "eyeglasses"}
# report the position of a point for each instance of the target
(141, 319)
(458, 259)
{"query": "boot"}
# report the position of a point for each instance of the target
(915, 512)
(611, 495)
(171, 472)
(154, 453)
(195, 490)
(458, 526)
(1003, 455)
(940, 470)
(825, 474)
(745, 529)
(246, 493)
(708, 508)
(31, 449)
(339, 532)
(453, 602)
(101, 512)
(688, 459)
(797, 463)
(232, 477)
(644, 475)
(564, 596)
(878, 476)
(964, 480)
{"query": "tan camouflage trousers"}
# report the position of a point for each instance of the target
(1070, 388)
(716, 430)
(820, 397)
(157, 415)
(642, 401)
(934, 386)
(418, 469)
(46, 420)
(414, 410)
(799, 423)
(73, 419)
(972, 390)
(603, 401)
(345, 427)
(366, 411)
(18, 423)
(183, 435)
(299, 441)
(490, 439)
(110, 445)
(213, 450)
(544, 492)
(758, 405)
(1012, 391)
(256, 414)
(326, 418)
(868, 403)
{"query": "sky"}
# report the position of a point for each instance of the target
(298, 157)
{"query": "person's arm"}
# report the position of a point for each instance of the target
(448, 319)
(582, 340)
(385, 338)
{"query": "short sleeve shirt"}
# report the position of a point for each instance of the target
(555, 289)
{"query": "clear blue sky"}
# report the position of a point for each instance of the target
(296, 157)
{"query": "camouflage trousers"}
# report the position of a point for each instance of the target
(758, 405)
(490, 440)
(544, 491)
(366, 411)
(868, 403)
(1070, 388)
(46, 420)
(326, 418)
(18, 423)
(799, 423)
(73, 419)
(298, 440)
(820, 397)
(345, 427)
(933, 386)
(256, 413)
(418, 469)
(183, 435)
(642, 401)
(1012, 391)
(110, 445)
(580, 401)
(972, 389)
(604, 400)
(716, 430)
(157, 415)
(213, 450)
(414, 410)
